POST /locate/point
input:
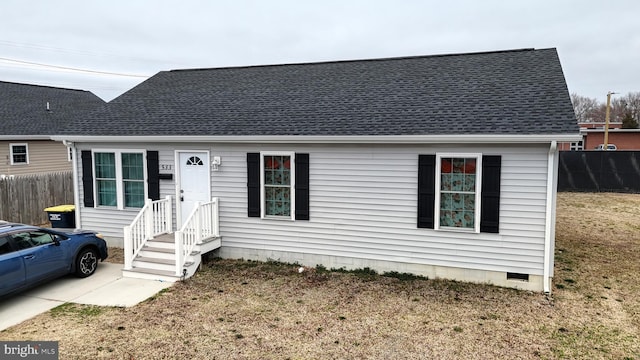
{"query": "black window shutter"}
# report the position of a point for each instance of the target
(253, 184)
(302, 186)
(426, 190)
(153, 175)
(490, 213)
(87, 178)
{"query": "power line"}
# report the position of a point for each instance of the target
(71, 68)
(172, 63)
(50, 48)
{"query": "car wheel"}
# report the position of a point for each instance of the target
(86, 263)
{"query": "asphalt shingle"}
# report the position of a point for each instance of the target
(23, 108)
(504, 92)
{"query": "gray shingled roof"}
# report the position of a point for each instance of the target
(506, 92)
(23, 108)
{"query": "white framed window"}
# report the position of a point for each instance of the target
(578, 145)
(277, 184)
(19, 154)
(119, 178)
(458, 185)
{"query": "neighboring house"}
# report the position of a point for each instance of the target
(29, 115)
(624, 139)
(443, 166)
(593, 135)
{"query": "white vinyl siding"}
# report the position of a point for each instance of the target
(363, 205)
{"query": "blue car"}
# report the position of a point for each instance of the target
(30, 255)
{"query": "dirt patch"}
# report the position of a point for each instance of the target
(116, 255)
(253, 310)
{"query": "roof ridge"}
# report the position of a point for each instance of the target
(360, 60)
(43, 86)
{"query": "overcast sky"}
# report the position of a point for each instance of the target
(119, 43)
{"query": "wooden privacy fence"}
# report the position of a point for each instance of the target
(23, 198)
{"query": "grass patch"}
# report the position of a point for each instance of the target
(404, 276)
(76, 310)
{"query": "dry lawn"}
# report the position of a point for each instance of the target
(251, 310)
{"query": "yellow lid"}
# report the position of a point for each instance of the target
(61, 208)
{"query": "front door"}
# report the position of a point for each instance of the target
(194, 185)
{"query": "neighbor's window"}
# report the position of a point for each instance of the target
(19, 154)
(458, 198)
(277, 185)
(579, 145)
(119, 179)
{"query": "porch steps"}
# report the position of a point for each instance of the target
(156, 260)
(158, 249)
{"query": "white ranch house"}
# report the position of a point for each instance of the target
(443, 166)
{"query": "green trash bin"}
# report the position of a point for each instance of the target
(62, 216)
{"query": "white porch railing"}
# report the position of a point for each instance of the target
(202, 224)
(154, 218)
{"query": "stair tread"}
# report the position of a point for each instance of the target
(165, 251)
(210, 239)
(155, 260)
(153, 271)
(157, 249)
(162, 239)
(160, 261)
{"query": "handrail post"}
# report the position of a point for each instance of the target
(128, 248)
(168, 215)
(148, 219)
(179, 258)
(198, 232)
(216, 218)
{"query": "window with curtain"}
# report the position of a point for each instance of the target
(133, 179)
(458, 192)
(119, 179)
(277, 185)
(105, 167)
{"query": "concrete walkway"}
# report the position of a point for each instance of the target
(106, 287)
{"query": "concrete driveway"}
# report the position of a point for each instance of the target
(106, 287)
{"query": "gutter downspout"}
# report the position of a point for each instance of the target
(76, 195)
(549, 227)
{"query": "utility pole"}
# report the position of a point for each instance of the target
(606, 122)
